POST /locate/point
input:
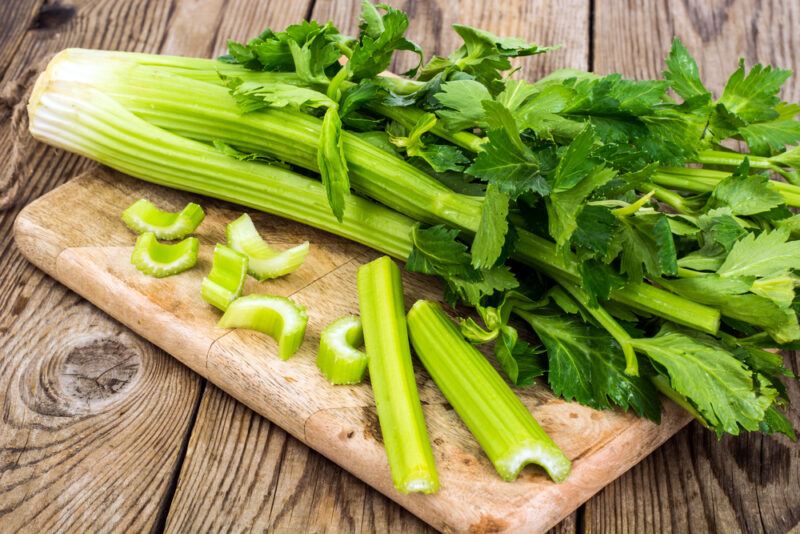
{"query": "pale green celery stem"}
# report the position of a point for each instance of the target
(671, 198)
(406, 188)
(734, 159)
(644, 297)
(706, 180)
(391, 373)
(501, 424)
(608, 322)
(292, 137)
(86, 121)
(407, 116)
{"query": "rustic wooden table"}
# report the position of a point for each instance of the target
(102, 431)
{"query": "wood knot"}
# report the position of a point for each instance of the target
(52, 16)
(84, 377)
(99, 370)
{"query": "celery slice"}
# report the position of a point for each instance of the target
(338, 358)
(162, 259)
(380, 298)
(263, 261)
(503, 426)
(143, 216)
(277, 317)
(225, 282)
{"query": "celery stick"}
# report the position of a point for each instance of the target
(380, 298)
(83, 120)
(143, 216)
(225, 282)
(338, 357)
(263, 261)
(277, 317)
(162, 259)
(503, 426)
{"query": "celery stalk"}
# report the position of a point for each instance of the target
(408, 448)
(83, 120)
(162, 259)
(277, 317)
(207, 111)
(503, 426)
(225, 282)
(143, 216)
(338, 357)
(263, 261)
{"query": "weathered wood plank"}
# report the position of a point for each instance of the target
(18, 17)
(694, 482)
(79, 446)
(243, 473)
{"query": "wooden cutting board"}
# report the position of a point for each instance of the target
(74, 234)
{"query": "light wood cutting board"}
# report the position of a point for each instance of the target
(74, 234)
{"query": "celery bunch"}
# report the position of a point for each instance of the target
(567, 202)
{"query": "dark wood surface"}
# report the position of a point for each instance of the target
(99, 430)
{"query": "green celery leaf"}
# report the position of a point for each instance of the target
(505, 160)
(596, 227)
(753, 96)
(564, 205)
(462, 100)
(356, 97)
(645, 244)
(746, 194)
(519, 360)
(491, 234)
(767, 138)
(443, 158)
(683, 75)
(719, 385)
(766, 255)
(381, 35)
(252, 96)
(776, 422)
(332, 163)
(437, 251)
(586, 365)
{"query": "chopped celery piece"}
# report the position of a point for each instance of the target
(143, 216)
(277, 317)
(339, 358)
(380, 298)
(263, 261)
(162, 259)
(225, 282)
(503, 426)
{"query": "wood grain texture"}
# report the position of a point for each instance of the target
(92, 258)
(694, 482)
(244, 473)
(79, 448)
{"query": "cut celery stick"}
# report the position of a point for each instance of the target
(408, 448)
(503, 426)
(277, 317)
(263, 261)
(339, 358)
(161, 259)
(225, 282)
(143, 216)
